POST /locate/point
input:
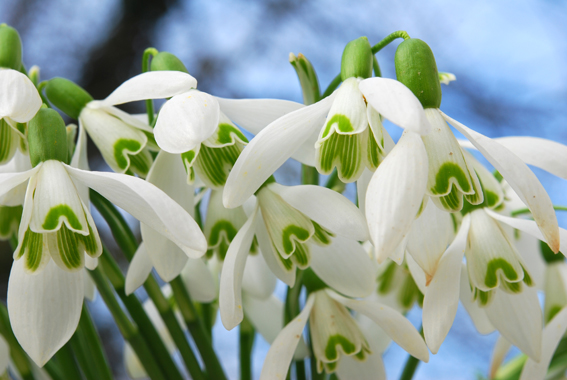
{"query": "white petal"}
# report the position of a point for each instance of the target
(133, 365)
(306, 151)
(344, 266)
(276, 364)
(258, 280)
(186, 120)
(91, 262)
(395, 194)
(44, 308)
(371, 369)
(4, 355)
(148, 204)
(441, 298)
(392, 322)
(362, 187)
(501, 348)
(254, 114)
(416, 272)
(19, 99)
(230, 296)
(477, 314)
(270, 149)
(520, 178)
(165, 256)
(199, 281)
(328, 208)
(396, 103)
(139, 269)
(529, 226)
(518, 318)
(8, 181)
(552, 334)
(80, 160)
(151, 85)
(89, 285)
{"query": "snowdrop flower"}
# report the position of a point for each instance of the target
(298, 226)
(339, 131)
(335, 334)
(45, 290)
(434, 164)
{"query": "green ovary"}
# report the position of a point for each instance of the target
(442, 179)
(491, 279)
(55, 213)
(125, 145)
(331, 353)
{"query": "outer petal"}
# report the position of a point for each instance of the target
(281, 352)
(477, 314)
(19, 99)
(395, 194)
(148, 204)
(396, 103)
(139, 269)
(392, 322)
(186, 120)
(151, 85)
(199, 281)
(441, 298)
(230, 301)
(520, 178)
(345, 266)
(258, 280)
(254, 114)
(44, 308)
(518, 318)
(168, 259)
(328, 208)
(270, 149)
(552, 335)
(501, 348)
(362, 187)
(8, 181)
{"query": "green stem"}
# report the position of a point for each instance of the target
(208, 313)
(197, 330)
(300, 370)
(409, 368)
(376, 66)
(149, 53)
(389, 38)
(334, 182)
(246, 343)
(527, 210)
(67, 363)
(309, 175)
(332, 86)
(128, 330)
(17, 353)
(52, 370)
(128, 244)
(88, 349)
(313, 360)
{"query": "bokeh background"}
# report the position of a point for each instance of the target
(510, 59)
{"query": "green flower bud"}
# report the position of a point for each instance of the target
(307, 78)
(10, 48)
(312, 282)
(67, 96)
(416, 68)
(357, 59)
(165, 61)
(47, 137)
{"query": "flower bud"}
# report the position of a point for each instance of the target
(416, 68)
(357, 59)
(67, 96)
(47, 137)
(10, 48)
(307, 77)
(165, 61)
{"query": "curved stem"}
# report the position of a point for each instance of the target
(527, 210)
(149, 53)
(389, 38)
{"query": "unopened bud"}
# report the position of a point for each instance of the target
(67, 96)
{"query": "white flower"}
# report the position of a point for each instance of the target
(335, 333)
(19, 102)
(298, 227)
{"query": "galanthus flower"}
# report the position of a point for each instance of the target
(19, 102)
(57, 235)
(298, 227)
(335, 334)
(434, 164)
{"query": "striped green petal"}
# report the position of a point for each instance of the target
(343, 151)
(32, 249)
(379, 142)
(141, 163)
(226, 134)
(9, 141)
(213, 165)
(188, 159)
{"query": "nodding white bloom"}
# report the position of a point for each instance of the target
(335, 333)
(19, 102)
(299, 226)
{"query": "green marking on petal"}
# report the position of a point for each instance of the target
(122, 145)
(512, 287)
(287, 263)
(8, 143)
(446, 172)
(89, 242)
(409, 293)
(69, 248)
(343, 124)
(386, 278)
(188, 160)
(491, 279)
(331, 352)
(220, 237)
(55, 213)
(527, 278)
(298, 233)
(553, 310)
(374, 152)
(140, 163)
(33, 246)
(225, 134)
(491, 198)
(344, 152)
(9, 220)
(301, 256)
(453, 201)
(482, 297)
(254, 246)
(321, 235)
(214, 164)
